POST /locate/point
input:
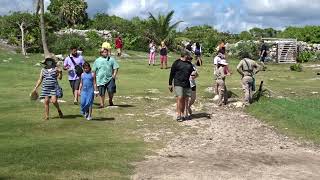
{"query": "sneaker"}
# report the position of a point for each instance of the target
(89, 118)
(179, 119)
(111, 103)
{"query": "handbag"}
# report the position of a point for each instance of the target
(77, 67)
(59, 91)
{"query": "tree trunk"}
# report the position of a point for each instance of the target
(43, 30)
(23, 49)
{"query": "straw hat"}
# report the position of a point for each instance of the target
(34, 95)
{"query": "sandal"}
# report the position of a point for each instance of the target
(60, 114)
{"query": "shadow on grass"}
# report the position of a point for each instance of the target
(103, 119)
(70, 116)
(5, 178)
(115, 105)
(201, 115)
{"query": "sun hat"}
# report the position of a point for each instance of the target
(223, 62)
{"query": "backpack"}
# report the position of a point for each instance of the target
(77, 67)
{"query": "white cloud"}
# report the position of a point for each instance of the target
(131, 8)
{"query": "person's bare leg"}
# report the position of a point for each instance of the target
(54, 101)
(177, 106)
(75, 95)
(110, 98)
(186, 109)
(46, 107)
(182, 105)
(192, 100)
(102, 98)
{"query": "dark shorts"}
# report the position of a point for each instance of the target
(74, 84)
(110, 87)
(194, 88)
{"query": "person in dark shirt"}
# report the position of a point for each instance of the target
(180, 73)
(263, 52)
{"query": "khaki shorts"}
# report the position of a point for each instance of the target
(118, 50)
(182, 92)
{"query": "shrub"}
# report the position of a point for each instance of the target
(245, 47)
(296, 67)
(305, 56)
(64, 42)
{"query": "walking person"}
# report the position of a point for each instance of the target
(180, 73)
(197, 52)
(247, 68)
(105, 69)
(263, 53)
(152, 53)
(163, 55)
(106, 44)
(49, 76)
(119, 45)
(220, 81)
(87, 89)
(73, 64)
(193, 86)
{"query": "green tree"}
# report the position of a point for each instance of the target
(71, 12)
(245, 35)
(17, 20)
(161, 28)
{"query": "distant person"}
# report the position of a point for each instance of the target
(106, 70)
(106, 45)
(197, 52)
(220, 81)
(49, 76)
(193, 86)
(247, 69)
(222, 47)
(73, 64)
(189, 48)
(152, 53)
(163, 55)
(263, 52)
(119, 45)
(87, 89)
(216, 61)
(180, 73)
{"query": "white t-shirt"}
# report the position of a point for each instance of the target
(216, 60)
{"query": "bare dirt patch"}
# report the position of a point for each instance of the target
(230, 145)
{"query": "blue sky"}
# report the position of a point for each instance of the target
(225, 15)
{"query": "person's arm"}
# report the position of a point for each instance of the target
(256, 67)
(115, 72)
(172, 74)
(239, 68)
(94, 82)
(80, 86)
(59, 73)
(66, 65)
(38, 82)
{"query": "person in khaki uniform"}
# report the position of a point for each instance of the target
(247, 68)
(220, 81)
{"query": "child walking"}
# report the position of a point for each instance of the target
(87, 89)
(152, 53)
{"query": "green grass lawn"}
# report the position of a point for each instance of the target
(73, 148)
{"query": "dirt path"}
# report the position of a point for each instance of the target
(231, 146)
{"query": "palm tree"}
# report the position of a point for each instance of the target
(161, 27)
(74, 12)
(40, 11)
